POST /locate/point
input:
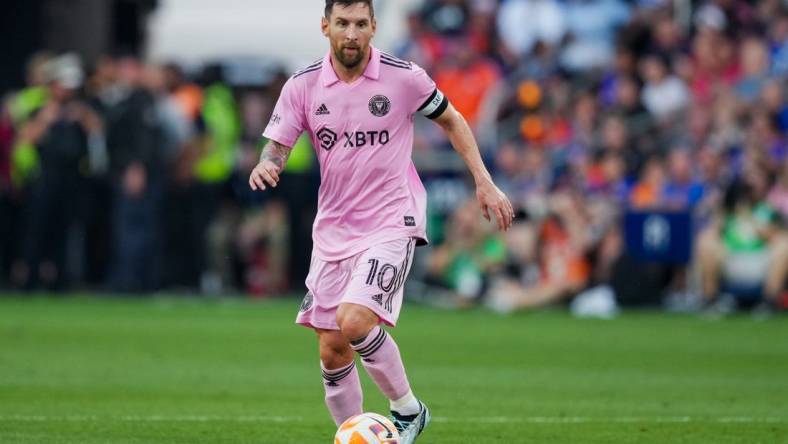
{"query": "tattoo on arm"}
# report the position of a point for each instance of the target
(276, 153)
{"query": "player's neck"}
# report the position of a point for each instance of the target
(350, 75)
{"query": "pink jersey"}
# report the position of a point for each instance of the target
(362, 132)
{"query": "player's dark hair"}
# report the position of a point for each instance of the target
(330, 5)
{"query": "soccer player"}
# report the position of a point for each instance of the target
(358, 104)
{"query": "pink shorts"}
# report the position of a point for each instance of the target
(374, 278)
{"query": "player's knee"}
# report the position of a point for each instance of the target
(355, 321)
(335, 351)
(335, 357)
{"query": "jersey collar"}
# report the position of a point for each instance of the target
(372, 71)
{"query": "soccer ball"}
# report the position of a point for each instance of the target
(367, 428)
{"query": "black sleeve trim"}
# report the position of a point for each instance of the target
(429, 99)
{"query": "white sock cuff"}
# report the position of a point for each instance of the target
(407, 405)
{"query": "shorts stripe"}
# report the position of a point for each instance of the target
(404, 268)
(373, 270)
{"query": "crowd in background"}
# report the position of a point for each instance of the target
(591, 110)
(132, 177)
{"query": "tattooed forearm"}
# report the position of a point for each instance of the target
(276, 153)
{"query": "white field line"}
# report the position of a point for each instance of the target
(440, 419)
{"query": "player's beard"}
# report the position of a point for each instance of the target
(350, 62)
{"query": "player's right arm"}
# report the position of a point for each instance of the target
(272, 162)
(287, 123)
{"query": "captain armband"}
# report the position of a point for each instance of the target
(435, 105)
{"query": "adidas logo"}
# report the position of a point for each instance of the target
(322, 111)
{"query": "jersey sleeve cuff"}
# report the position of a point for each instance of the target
(435, 105)
(279, 138)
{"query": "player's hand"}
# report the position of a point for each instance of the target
(493, 201)
(266, 172)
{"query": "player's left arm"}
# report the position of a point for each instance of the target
(491, 199)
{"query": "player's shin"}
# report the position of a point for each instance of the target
(343, 392)
(381, 358)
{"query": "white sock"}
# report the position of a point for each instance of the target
(407, 405)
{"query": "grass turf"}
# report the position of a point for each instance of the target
(85, 370)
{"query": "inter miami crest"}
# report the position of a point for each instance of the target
(306, 304)
(379, 105)
(327, 138)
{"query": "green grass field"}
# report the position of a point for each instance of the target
(81, 370)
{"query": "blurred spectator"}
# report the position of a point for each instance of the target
(682, 191)
(550, 267)
(778, 194)
(522, 24)
(647, 192)
(714, 68)
(181, 265)
(663, 94)
(667, 36)
(466, 77)
(175, 126)
(202, 170)
(21, 106)
(263, 241)
(584, 119)
(448, 17)
(616, 141)
(136, 166)
(58, 135)
(17, 164)
(591, 26)
(9, 202)
(186, 95)
(524, 175)
(32, 97)
(755, 69)
(212, 169)
(744, 252)
(606, 177)
(778, 44)
(470, 252)
(774, 102)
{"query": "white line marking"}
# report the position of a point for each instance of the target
(439, 419)
(154, 418)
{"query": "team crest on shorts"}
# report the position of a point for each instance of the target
(379, 105)
(306, 304)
